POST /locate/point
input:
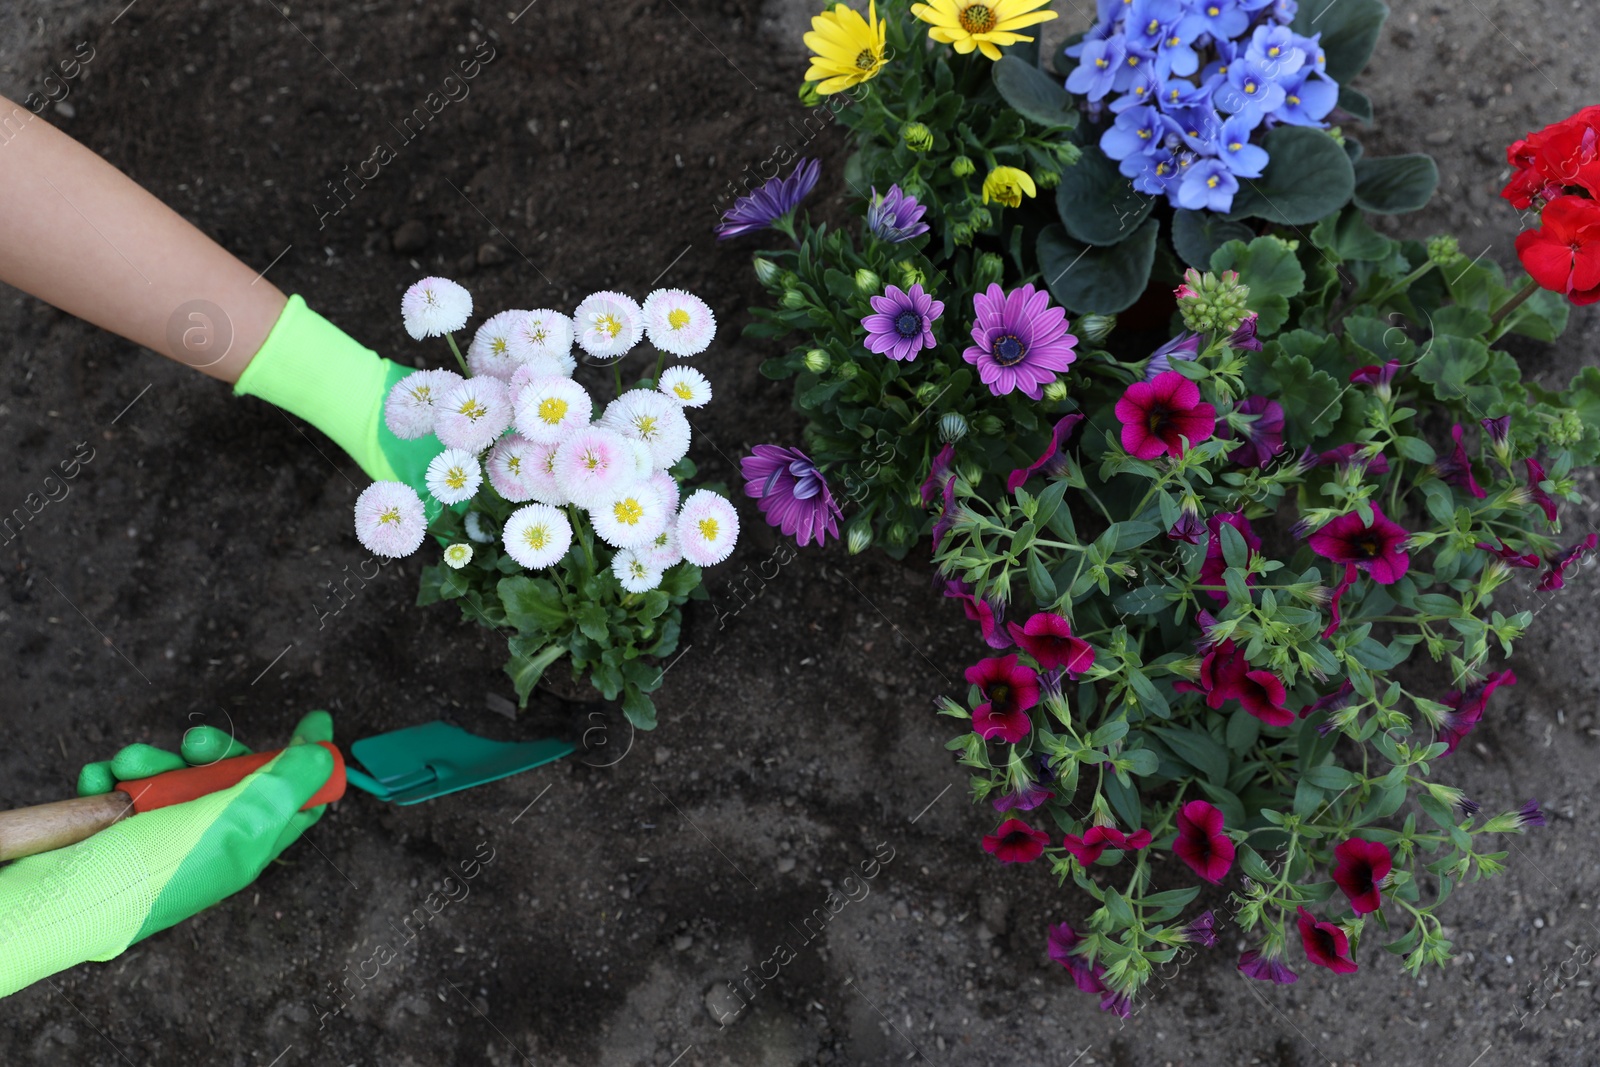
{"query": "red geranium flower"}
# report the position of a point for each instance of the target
(1326, 944)
(1360, 869)
(1466, 708)
(1213, 566)
(1009, 689)
(1201, 843)
(1047, 637)
(1097, 839)
(1158, 415)
(1014, 841)
(1226, 675)
(1563, 254)
(1377, 549)
(1560, 156)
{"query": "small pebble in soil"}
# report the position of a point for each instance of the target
(412, 236)
(785, 864)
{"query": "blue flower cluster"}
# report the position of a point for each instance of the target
(1190, 82)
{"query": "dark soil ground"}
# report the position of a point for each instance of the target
(184, 578)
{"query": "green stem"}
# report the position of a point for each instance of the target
(465, 373)
(1515, 302)
(661, 363)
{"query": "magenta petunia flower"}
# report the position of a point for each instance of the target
(1536, 494)
(1360, 868)
(1378, 377)
(1202, 931)
(1097, 839)
(1335, 615)
(1201, 842)
(1027, 798)
(1014, 841)
(989, 615)
(1244, 338)
(1467, 708)
(941, 471)
(1346, 455)
(1159, 416)
(1333, 701)
(1212, 568)
(1187, 529)
(1009, 689)
(1020, 341)
(1226, 675)
(1048, 461)
(1326, 944)
(1378, 549)
(1456, 468)
(1263, 437)
(1266, 968)
(1047, 637)
(1556, 576)
(1499, 430)
(1510, 556)
(1063, 939)
(1530, 815)
(902, 322)
(777, 198)
(792, 493)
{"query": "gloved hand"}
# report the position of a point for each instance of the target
(92, 900)
(311, 368)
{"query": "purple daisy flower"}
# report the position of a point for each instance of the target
(1020, 340)
(793, 494)
(902, 325)
(777, 198)
(895, 216)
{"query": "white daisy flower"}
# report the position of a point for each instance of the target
(458, 556)
(634, 572)
(540, 366)
(453, 476)
(410, 409)
(542, 477)
(679, 323)
(592, 465)
(608, 324)
(434, 307)
(475, 530)
(667, 486)
(685, 385)
(631, 518)
(708, 528)
(644, 464)
(490, 351)
(473, 413)
(390, 520)
(543, 332)
(645, 415)
(663, 550)
(537, 536)
(511, 468)
(550, 409)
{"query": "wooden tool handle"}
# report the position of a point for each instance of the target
(28, 831)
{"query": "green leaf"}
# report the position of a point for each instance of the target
(1329, 776)
(1198, 234)
(1356, 104)
(1146, 600)
(1269, 267)
(1243, 729)
(639, 708)
(528, 662)
(1349, 29)
(1032, 93)
(1098, 205)
(1197, 749)
(592, 621)
(1310, 397)
(1102, 281)
(1450, 363)
(1348, 236)
(1309, 178)
(1395, 184)
(1141, 762)
(1132, 534)
(532, 605)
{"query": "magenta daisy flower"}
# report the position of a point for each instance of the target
(902, 322)
(792, 493)
(771, 202)
(1020, 341)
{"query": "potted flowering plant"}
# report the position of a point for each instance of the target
(581, 541)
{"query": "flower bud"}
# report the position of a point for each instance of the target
(817, 361)
(981, 218)
(911, 274)
(1047, 179)
(927, 393)
(917, 137)
(952, 427)
(898, 535)
(868, 282)
(1568, 430)
(809, 95)
(859, 537)
(1056, 391)
(847, 371)
(767, 272)
(970, 472)
(962, 167)
(988, 271)
(1212, 304)
(989, 426)
(794, 299)
(962, 233)
(1096, 328)
(1067, 153)
(1443, 250)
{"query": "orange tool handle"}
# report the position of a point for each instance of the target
(192, 783)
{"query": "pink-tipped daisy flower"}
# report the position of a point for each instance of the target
(631, 518)
(513, 468)
(593, 464)
(552, 408)
(411, 408)
(454, 475)
(537, 536)
(543, 332)
(708, 528)
(648, 416)
(608, 325)
(434, 307)
(473, 414)
(490, 351)
(678, 323)
(635, 572)
(390, 520)
(685, 385)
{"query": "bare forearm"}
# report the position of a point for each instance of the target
(78, 234)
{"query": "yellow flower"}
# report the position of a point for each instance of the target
(849, 49)
(980, 24)
(1007, 184)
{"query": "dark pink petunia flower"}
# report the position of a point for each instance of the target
(1215, 563)
(1201, 842)
(1347, 455)
(1049, 460)
(1378, 549)
(1336, 616)
(1096, 839)
(1545, 501)
(1009, 689)
(1456, 468)
(1556, 576)
(791, 493)
(1047, 637)
(1020, 342)
(1509, 555)
(1467, 708)
(1378, 377)
(1244, 338)
(1158, 416)
(1326, 945)
(1530, 815)
(1027, 798)
(1499, 430)
(940, 471)
(1333, 701)
(1226, 675)
(1202, 931)
(1266, 968)
(1014, 841)
(1263, 438)
(1360, 868)
(1063, 939)
(1187, 529)
(989, 615)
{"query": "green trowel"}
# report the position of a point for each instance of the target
(422, 762)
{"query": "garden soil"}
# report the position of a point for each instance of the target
(189, 574)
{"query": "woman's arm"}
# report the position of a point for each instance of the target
(79, 234)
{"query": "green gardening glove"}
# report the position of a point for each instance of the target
(90, 901)
(309, 367)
